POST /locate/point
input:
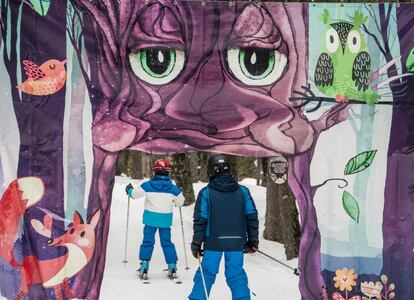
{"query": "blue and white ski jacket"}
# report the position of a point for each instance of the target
(160, 197)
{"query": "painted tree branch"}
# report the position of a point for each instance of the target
(75, 36)
(102, 21)
(308, 96)
(316, 187)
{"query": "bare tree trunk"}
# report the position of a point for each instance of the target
(281, 222)
(273, 221)
(146, 165)
(193, 160)
(183, 177)
(234, 167)
(289, 221)
(202, 166)
(264, 172)
(134, 164)
(259, 170)
(121, 163)
(246, 167)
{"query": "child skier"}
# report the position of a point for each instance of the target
(160, 196)
(225, 221)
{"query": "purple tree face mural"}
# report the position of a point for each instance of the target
(176, 76)
(173, 75)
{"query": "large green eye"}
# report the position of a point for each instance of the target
(157, 65)
(256, 66)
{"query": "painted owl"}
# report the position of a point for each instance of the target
(343, 70)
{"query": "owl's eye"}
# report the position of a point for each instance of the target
(354, 41)
(331, 40)
(157, 65)
(256, 66)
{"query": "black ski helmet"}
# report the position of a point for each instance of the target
(218, 164)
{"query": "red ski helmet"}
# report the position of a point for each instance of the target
(162, 165)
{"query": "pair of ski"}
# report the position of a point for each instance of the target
(172, 276)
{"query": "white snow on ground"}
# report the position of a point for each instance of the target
(267, 279)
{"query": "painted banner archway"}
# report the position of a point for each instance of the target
(328, 86)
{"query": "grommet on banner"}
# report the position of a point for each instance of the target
(230, 3)
(175, 2)
(146, 1)
(203, 3)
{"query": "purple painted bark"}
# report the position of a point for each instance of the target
(88, 281)
(311, 283)
(398, 224)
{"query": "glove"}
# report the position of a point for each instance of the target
(251, 246)
(196, 249)
(128, 190)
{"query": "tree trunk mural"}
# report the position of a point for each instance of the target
(399, 206)
(40, 119)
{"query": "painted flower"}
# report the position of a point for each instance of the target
(370, 289)
(345, 279)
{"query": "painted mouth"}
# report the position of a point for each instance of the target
(53, 244)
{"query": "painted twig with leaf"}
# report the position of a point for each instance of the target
(357, 164)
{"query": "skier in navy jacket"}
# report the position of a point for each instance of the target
(225, 221)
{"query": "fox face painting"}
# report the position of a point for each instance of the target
(79, 239)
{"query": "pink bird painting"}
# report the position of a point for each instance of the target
(44, 80)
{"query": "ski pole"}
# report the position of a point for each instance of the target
(126, 234)
(182, 231)
(202, 276)
(295, 270)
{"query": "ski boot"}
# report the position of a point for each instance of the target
(172, 273)
(143, 270)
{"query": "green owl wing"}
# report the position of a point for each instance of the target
(361, 71)
(324, 71)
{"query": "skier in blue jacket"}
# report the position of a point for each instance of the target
(160, 197)
(225, 221)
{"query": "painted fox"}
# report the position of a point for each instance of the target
(79, 239)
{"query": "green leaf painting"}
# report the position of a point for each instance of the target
(40, 6)
(351, 206)
(410, 61)
(360, 162)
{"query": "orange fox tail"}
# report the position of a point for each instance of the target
(20, 194)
